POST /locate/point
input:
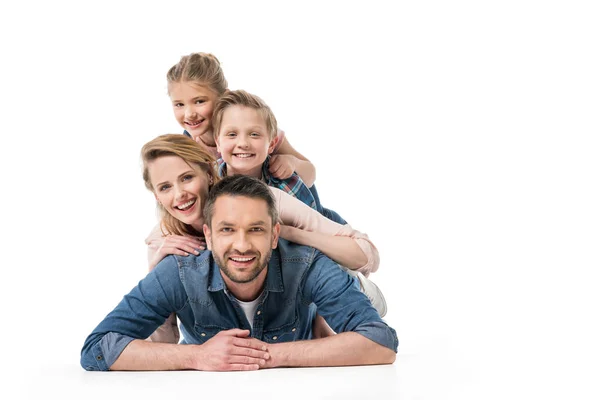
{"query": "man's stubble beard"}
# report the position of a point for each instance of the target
(255, 272)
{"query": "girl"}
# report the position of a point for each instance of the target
(180, 173)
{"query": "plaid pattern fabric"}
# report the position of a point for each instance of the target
(294, 185)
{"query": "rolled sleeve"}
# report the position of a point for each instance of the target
(380, 333)
(342, 304)
(138, 314)
(105, 352)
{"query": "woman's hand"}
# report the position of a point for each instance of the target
(160, 247)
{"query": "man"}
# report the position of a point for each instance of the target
(246, 304)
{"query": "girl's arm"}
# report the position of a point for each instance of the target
(286, 158)
(346, 246)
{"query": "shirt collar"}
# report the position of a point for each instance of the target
(266, 175)
(221, 167)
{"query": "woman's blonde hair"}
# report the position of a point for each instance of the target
(200, 68)
(243, 98)
(194, 155)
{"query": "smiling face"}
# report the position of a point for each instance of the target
(244, 141)
(180, 188)
(193, 106)
(241, 237)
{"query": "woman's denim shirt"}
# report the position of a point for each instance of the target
(298, 278)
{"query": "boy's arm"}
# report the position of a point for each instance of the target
(300, 164)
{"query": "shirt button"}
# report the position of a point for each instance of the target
(294, 330)
(258, 312)
(274, 337)
(98, 358)
(203, 334)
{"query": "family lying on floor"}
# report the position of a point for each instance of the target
(258, 273)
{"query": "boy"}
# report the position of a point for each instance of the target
(245, 131)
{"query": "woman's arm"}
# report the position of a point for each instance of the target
(286, 154)
(341, 243)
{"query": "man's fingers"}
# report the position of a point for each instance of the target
(243, 367)
(251, 353)
(250, 343)
(240, 333)
(246, 360)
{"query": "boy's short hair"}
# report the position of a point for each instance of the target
(243, 98)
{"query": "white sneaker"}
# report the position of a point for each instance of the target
(372, 291)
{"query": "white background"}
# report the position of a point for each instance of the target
(461, 136)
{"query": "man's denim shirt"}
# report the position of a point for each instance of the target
(192, 287)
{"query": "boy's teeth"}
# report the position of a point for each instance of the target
(245, 155)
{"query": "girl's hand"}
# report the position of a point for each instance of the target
(282, 166)
(174, 244)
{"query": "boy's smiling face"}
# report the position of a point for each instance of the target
(244, 141)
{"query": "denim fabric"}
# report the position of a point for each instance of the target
(299, 280)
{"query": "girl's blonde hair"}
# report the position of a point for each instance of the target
(200, 68)
(194, 155)
(243, 98)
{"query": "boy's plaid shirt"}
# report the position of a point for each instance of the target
(294, 185)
